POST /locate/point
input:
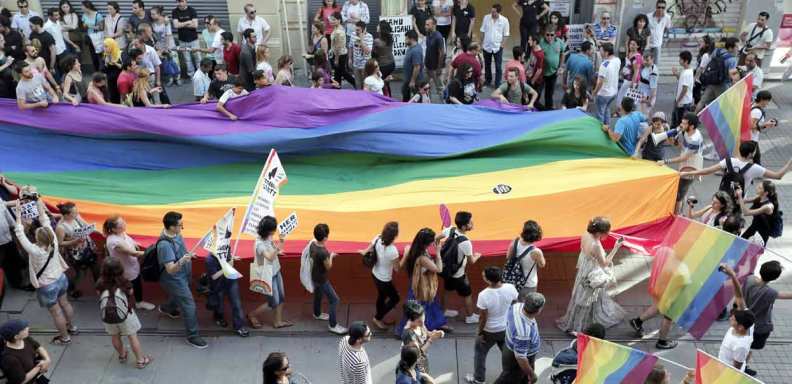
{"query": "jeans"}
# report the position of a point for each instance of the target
(180, 298)
(220, 287)
(512, 373)
(325, 289)
(340, 71)
(387, 297)
(488, 66)
(484, 343)
(603, 108)
(191, 59)
(549, 89)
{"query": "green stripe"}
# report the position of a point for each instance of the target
(325, 174)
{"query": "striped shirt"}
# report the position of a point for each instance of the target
(353, 365)
(522, 332)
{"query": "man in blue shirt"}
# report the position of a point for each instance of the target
(176, 264)
(522, 341)
(413, 65)
(629, 127)
(580, 64)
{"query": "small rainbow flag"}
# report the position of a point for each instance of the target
(603, 362)
(728, 118)
(710, 370)
(685, 282)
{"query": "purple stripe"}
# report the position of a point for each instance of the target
(642, 370)
(720, 138)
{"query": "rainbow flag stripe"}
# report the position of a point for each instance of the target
(354, 160)
(685, 282)
(728, 118)
(710, 370)
(604, 362)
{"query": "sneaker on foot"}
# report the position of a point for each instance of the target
(666, 344)
(173, 315)
(145, 305)
(750, 372)
(472, 380)
(197, 342)
(243, 332)
(450, 313)
(323, 316)
(338, 329)
(472, 319)
(637, 326)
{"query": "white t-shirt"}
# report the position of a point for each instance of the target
(374, 84)
(528, 263)
(217, 47)
(258, 25)
(735, 348)
(756, 113)
(755, 172)
(609, 72)
(685, 79)
(657, 27)
(444, 5)
(766, 37)
(386, 256)
(151, 59)
(693, 143)
(497, 302)
(230, 94)
(465, 250)
(55, 30)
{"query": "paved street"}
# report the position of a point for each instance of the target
(312, 350)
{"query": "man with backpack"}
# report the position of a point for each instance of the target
(175, 264)
(514, 91)
(457, 253)
(715, 77)
(523, 258)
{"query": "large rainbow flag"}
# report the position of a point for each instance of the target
(728, 118)
(603, 362)
(354, 160)
(710, 370)
(685, 282)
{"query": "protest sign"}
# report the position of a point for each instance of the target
(84, 231)
(288, 225)
(218, 243)
(576, 35)
(262, 203)
(29, 210)
(560, 6)
(399, 25)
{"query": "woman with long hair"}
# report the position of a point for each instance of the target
(639, 32)
(416, 334)
(373, 81)
(387, 257)
(590, 302)
(129, 253)
(317, 42)
(70, 24)
(383, 53)
(328, 8)
(322, 68)
(422, 269)
(764, 209)
(48, 273)
(79, 251)
(407, 371)
(631, 71)
(115, 25)
(113, 285)
(73, 86)
(262, 62)
(340, 54)
(714, 214)
(276, 369)
(141, 91)
(285, 74)
(462, 89)
(112, 67)
(267, 253)
(94, 25)
(557, 24)
(576, 96)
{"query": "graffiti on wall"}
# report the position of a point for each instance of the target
(698, 13)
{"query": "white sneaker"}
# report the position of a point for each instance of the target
(323, 316)
(450, 313)
(472, 380)
(338, 329)
(146, 306)
(472, 319)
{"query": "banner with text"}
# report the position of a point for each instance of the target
(29, 210)
(399, 25)
(219, 244)
(263, 201)
(288, 225)
(576, 35)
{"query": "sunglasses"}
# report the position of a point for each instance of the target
(549, 34)
(661, 7)
(253, 12)
(606, 18)
(22, 6)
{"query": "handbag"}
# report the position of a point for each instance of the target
(261, 278)
(424, 285)
(370, 257)
(600, 277)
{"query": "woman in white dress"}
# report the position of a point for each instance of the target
(590, 302)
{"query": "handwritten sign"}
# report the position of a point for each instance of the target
(267, 188)
(561, 6)
(399, 25)
(288, 225)
(85, 231)
(29, 211)
(576, 35)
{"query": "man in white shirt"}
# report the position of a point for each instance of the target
(690, 141)
(53, 27)
(21, 20)
(745, 158)
(752, 67)
(494, 27)
(659, 21)
(353, 361)
(352, 12)
(607, 82)
(736, 343)
(151, 61)
(493, 303)
(201, 79)
(458, 281)
(215, 50)
(683, 102)
(757, 38)
(256, 23)
(238, 90)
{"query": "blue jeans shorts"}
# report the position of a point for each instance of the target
(48, 295)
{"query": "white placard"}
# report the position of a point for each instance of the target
(29, 210)
(219, 244)
(288, 225)
(399, 25)
(263, 201)
(84, 232)
(576, 35)
(561, 6)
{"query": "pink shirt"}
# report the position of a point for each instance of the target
(130, 263)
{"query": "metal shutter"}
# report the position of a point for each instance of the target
(204, 8)
(373, 5)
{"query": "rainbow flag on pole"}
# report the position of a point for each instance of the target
(728, 118)
(685, 282)
(710, 370)
(604, 362)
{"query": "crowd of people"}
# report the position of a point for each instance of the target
(132, 60)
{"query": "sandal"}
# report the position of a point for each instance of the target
(59, 340)
(254, 323)
(283, 324)
(123, 358)
(146, 361)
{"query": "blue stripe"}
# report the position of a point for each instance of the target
(723, 126)
(633, 360)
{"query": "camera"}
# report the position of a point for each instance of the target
(692, 200)
(30, 196)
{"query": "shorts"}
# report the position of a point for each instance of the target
(759, 340)
(278, 294)
(459, 284)
(129, 327)
(48, 295)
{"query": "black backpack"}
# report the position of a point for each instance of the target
(776, 223)
(370, 257)
(513, 271)
(449, 253)
(731, 177)
(150, 268)
(111, 311)
(715, 73)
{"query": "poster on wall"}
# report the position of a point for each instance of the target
(783, 44)
(399, 25)
(561, 6)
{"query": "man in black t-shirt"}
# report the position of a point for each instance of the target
(47, 49)
(221, 83)
(420, 12)
(464, 19)
(322, 262)
(185, 21)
